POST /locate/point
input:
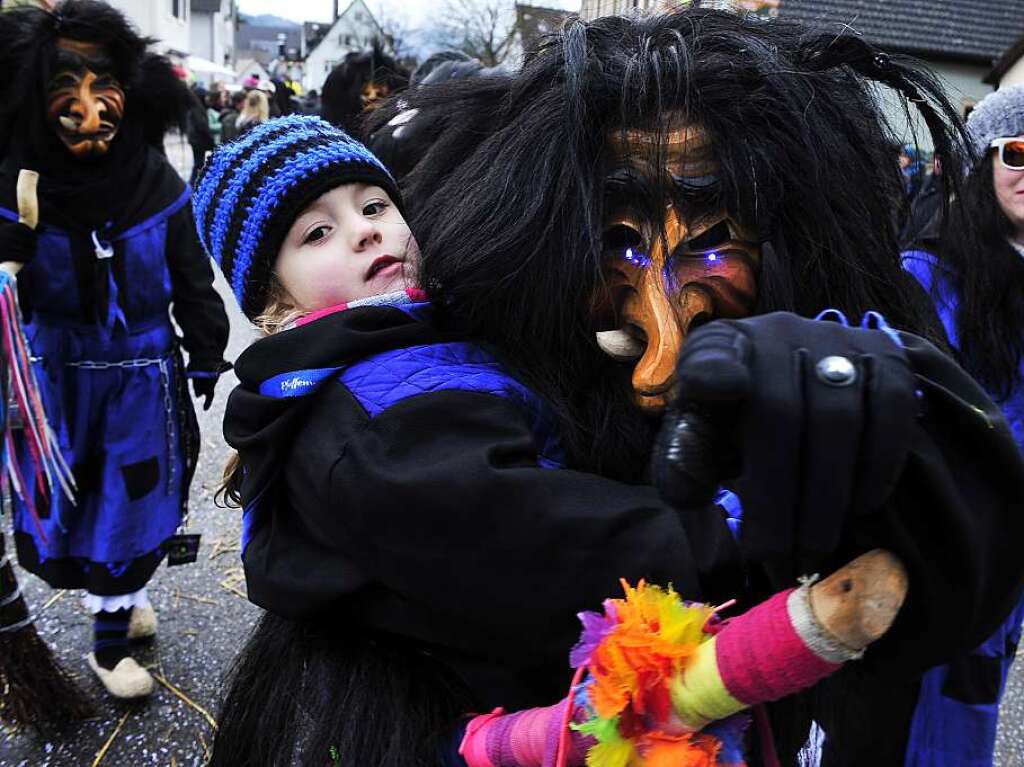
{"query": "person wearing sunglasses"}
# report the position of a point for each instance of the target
(973, 269)
(1008, 181)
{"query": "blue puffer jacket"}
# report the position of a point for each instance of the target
(400, 476)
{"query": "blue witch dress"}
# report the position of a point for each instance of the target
(107, 360)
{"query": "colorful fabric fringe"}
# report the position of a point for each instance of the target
(642, 657)
(21, 407)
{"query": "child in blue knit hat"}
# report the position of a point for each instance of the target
(304, 220)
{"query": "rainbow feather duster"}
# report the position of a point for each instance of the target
(634, 654)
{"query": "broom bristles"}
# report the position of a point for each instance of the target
(35, 691)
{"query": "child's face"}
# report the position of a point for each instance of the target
(350, 243)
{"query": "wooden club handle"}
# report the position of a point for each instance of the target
(858, 603)
(28, 202)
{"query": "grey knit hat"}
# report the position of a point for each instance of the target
(1000, 114)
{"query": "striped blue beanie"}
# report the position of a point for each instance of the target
(251, 190)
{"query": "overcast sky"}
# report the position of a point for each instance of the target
(413, 12)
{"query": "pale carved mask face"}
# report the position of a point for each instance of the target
(673, 260)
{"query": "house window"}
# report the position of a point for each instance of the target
(179, 9)
(348, 39)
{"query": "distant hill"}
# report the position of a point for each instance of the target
(268, 20)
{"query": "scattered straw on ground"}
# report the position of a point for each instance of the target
(201, 600)
(206, 714)
(234, 578)
(219, 546)
(53, 600)
(206, 748)
(106, 746)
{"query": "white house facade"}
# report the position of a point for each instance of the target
(353, 30)
(212, 30)
(166, 20)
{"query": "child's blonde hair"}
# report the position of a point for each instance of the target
(279, 313)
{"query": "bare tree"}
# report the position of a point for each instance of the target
(397, 34)
(481, 29)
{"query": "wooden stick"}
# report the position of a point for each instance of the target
(858, 603)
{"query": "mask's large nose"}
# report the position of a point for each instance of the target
(665, 323)
(87, 110)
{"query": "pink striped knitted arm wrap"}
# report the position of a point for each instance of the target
(524, 739)
(776, 649)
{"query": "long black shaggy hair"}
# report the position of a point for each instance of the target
(325, 695)
(28, 47)
(988, 279)
(341, 97)
(507, 199)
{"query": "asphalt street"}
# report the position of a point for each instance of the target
(204, 618)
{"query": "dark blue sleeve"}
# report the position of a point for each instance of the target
(197, 307)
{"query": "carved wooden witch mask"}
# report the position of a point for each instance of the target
(374, 93)
(84, 100)
(674, 257)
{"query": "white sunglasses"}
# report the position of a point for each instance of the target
(1011, 152)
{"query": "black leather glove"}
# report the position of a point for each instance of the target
(17, 242)
(204, 379)
(204, 387)
(808, 421)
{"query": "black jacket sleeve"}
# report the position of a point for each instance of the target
(198, 309)
(441, 527)
(955, 518)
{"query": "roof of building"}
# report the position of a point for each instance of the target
(1012, 55)
(975, 31)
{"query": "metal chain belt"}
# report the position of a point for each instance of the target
(165, 384)
(104, 365)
